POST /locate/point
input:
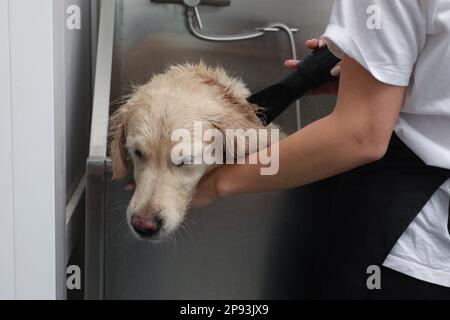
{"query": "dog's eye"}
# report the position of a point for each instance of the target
(139, 154)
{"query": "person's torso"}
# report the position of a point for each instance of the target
(424, 123)
(423, 251)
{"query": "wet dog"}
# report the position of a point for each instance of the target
(141, 132)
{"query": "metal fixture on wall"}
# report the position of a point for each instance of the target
(195, 24)
(194, 14)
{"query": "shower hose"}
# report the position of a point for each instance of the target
(193, 16)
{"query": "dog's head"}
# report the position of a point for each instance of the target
(142, 134)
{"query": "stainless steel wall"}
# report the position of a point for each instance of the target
(152, 36)
(78, 94)
(77, 64)
(247, 247)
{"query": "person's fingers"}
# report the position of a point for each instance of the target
(316, 43)
(291, 64)
(336, 71)
(312, 43)
(322, 43)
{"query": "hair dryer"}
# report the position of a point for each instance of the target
(313, 72)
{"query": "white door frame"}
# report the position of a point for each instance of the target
(7, 274)
(32, 220)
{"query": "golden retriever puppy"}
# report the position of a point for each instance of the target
(143, 130)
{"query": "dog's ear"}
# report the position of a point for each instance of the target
(241, 119)
(118, 136)
(238, 114)
(242, 116)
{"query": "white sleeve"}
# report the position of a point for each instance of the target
(384, 36)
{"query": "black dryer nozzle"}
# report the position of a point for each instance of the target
(313, 72)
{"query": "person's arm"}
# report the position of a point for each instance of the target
(356, 133)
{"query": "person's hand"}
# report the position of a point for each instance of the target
(207, 192)
(330, 88)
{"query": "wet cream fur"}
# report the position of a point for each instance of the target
(173, 100)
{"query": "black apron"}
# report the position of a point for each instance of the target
(371, 209)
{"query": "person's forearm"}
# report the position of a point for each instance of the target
(321, 150)
(357, 133)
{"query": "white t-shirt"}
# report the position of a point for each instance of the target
(407, 43)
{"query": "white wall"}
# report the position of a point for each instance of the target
(28, 251)
(7, 284)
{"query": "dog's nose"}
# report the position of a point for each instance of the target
(146, 227)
